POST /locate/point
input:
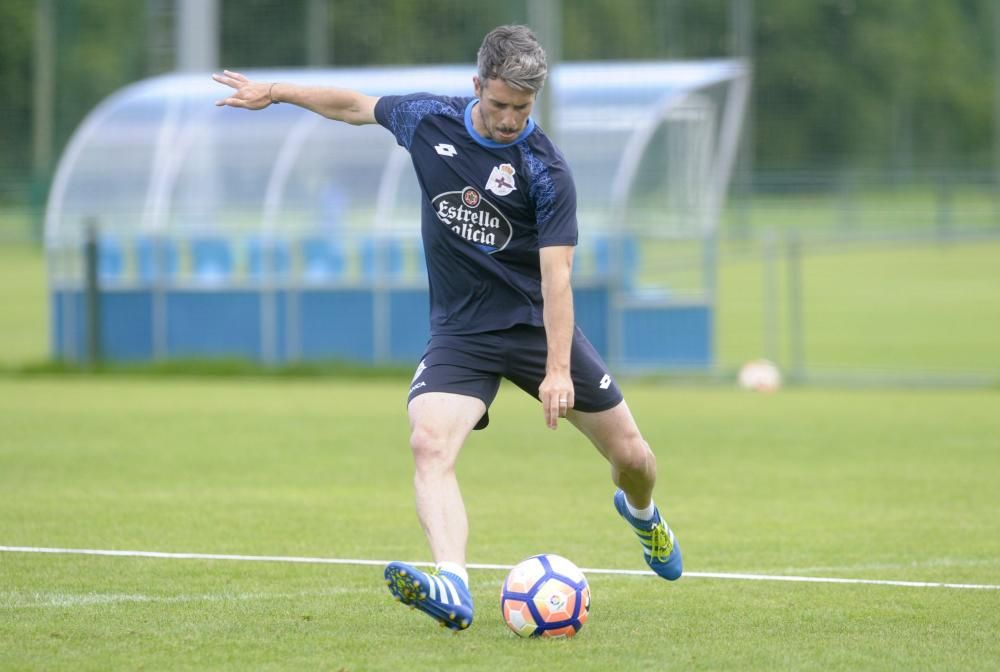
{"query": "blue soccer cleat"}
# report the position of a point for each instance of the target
(441, 595)
(662, 552)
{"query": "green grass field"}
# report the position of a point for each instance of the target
(24, 318)
(876, 484)
(884, 485)
(910, 307)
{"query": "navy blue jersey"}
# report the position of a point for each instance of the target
(486, 209)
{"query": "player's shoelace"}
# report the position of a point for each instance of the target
(656, 541)
(660, 543)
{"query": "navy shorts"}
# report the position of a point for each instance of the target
(474, 364)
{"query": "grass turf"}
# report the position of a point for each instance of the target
(24, 319)
(869, 484)
(908, 308)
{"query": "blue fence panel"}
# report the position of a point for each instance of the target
(591, 306)
(676, 336)
(213, 324)
(127, 325)
(409, 320)
(336, 324)
(333, 320)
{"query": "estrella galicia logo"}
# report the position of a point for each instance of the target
(473, 218)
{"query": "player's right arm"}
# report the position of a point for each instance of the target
(333, 103)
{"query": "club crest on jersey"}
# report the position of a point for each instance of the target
(501, 180)
(473, 218)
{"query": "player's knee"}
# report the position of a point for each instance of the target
(634, 456)
(430, 448)
(423, 441)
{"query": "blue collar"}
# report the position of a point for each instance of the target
(486, 142)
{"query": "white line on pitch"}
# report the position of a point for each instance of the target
(356, 561)
(42, 599)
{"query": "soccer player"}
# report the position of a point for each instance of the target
(498, 220)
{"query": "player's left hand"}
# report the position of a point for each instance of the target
(556, 393)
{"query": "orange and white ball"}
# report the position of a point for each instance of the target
(545, 596)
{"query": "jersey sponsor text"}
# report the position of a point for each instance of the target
(473, 218)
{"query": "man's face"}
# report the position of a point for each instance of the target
(502, 111)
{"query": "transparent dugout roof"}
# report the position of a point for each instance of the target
(650, 145)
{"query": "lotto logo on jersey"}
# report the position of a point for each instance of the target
(473, 218)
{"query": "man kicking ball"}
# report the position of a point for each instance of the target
(498, 220)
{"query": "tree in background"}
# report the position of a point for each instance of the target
(838, 84)
(899, 83)
(17, 19)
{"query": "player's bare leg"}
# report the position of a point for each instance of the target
(633, 469)
(616, 436)
(439, 425)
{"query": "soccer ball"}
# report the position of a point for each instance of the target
(545, 596)
(760, 375)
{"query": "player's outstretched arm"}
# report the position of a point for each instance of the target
(338, 104)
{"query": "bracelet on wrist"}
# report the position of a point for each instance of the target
(270, 95)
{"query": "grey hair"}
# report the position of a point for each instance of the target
(513, 54)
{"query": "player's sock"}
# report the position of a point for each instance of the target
(456, 569)
(659, 546)
(641, 514)
(442, 595)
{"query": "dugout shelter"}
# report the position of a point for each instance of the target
(280, 236)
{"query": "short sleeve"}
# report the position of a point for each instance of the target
(402, 114)
(554, 194)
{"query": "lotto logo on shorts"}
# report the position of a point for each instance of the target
(605, 382)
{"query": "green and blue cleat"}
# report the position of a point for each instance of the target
(441, 595)
(660, 548)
